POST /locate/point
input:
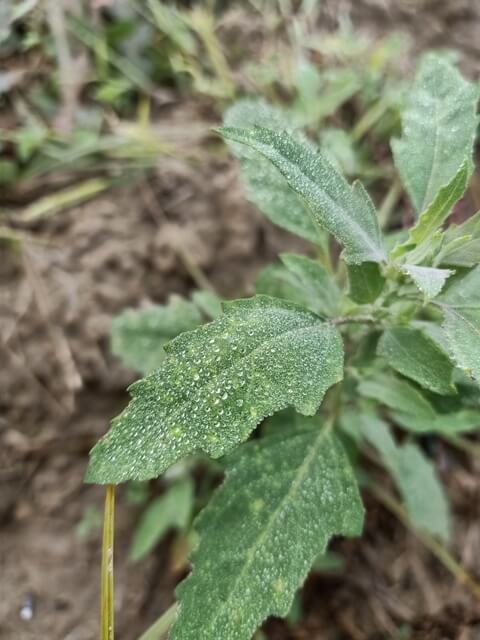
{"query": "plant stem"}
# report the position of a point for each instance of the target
(369, 119)
(438, 550)
(160, 627)
(106, 595)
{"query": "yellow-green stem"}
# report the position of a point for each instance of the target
(106, 596)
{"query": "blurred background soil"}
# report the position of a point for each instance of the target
(64, 276)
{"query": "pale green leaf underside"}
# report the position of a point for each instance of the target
(429, 280)
(415, 355)
(266, 187)
(346, 211)
(284, 497)
(217, 384)
(439, 126)
(170, 511)
(463, 421)
(138, 336)
(415, 478)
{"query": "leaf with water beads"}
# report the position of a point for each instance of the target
(284, 497)
(439, 126)
(217, 384)
(265, 185)
(345, 210)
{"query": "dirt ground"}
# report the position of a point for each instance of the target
(59, 386)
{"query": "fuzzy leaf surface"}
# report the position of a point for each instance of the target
(266, 187)
(429, 280)
(283, 498)
(415, 478)
(461, 311)
(138, 336)
(439, 126)
(217, 384)
(416, 356)
(345, 210)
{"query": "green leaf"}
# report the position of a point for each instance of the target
(454, 423)
(411, 409)
(266, 187)
(416, 356)
(316, 282)
(138, 336)
(345, 211)
(439, 126)
(462, 244)
(217, 384)
(397, 394)
(279, 282)
(461, 312)
(284, 497)
(172, 510)
(415, 478)
(430, 281)
(302, 280)
(463, 252)
(366, 282)
(438, 211)
(463, 291)
(462, 328)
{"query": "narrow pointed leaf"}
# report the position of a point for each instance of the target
(411, 410)
(284, 497)
(397, 394)
(170, 511)
(415, 355)
(344, 210)
(454, 423)
(266, 187)
(439, 126)
(138, 336)
(415, 478)
(217, 384)
(430, 281)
